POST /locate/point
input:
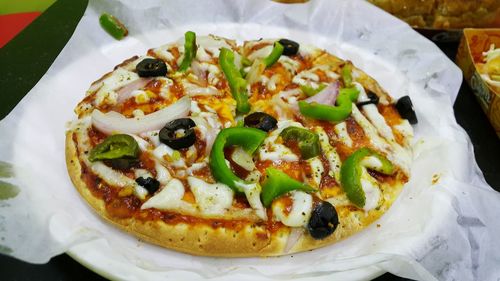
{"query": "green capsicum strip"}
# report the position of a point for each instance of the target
(275, 54)
(278, 183)
(310, 91)
(190, 49)
(118, 146)
(346, 74)
(245, 62)
(236, 82)
(352, 169)
(113, 26)
(331, 113)
(308, 141)
(247, 138)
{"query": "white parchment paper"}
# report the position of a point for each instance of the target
(444, 226)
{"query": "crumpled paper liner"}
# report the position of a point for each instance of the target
(443, 226)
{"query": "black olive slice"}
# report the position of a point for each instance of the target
(151, 67)
(178, 133)
(405, 109)
(324, 220)
(261, 121)
(291, 47)
(149, 183)
(372, 98)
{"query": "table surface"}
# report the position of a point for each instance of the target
(27, 51)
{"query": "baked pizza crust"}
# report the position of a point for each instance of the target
(252, 239)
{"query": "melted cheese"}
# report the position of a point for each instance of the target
(274, 151)
(252, 192)
(164, 153)
(140, 96)
(163, 53)
(143, 144)
(405, 129)
(271, 85)
(307, 78)
(168, 198)
(165, 86)
(394, 152)
(289, 64)
(152, 136)
(212, 199)
(116, 79)
(117, 179)
(371, 189)
(196, 167)
(261, 53)
(330, 153)
(372, 162)
(317, 170)
(202, 55)
(299, 214)
(307, 50)
(162, 174)
(110, 176)
(373, 115)
(212, 44)
(341, 131)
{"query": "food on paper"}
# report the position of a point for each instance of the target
(266, 148)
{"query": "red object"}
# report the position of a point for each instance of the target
(11, 25)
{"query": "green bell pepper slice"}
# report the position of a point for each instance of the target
(245, 62)
(308, 141)
(118, 146)
(248, 138)
(278, 183)
(310, 91)
(346, 74)
(237, 84)
(275, 54)
(190, 49)
(352, 170)
(113, 26)
(331, 113)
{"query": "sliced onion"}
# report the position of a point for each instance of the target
(113, 122)
(209, 139)
(193, 90)
(327, 96)
(200, 73)
(126, 91)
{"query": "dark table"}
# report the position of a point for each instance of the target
(27, 57)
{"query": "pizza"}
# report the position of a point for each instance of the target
(215, 148)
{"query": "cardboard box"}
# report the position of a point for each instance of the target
(469, 58)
